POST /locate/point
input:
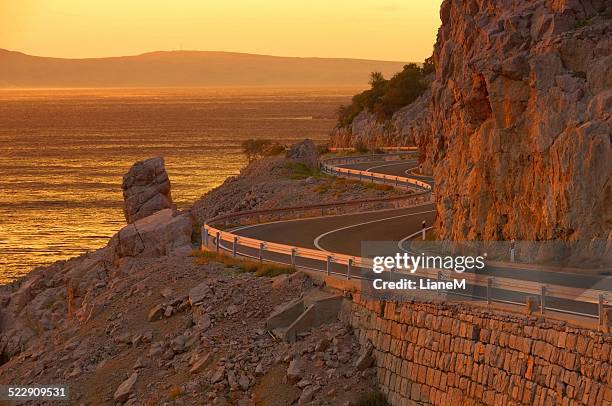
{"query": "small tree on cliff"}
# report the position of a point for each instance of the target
(257, 148)
(376, 79)
(254, 149)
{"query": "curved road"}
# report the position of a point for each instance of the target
(346, 234)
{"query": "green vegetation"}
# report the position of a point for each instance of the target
(360, 147)
(386, 96)
(242, 265)
(299, 171)
(258, 148)
(323, 149)
(340, 185)
(374, 398)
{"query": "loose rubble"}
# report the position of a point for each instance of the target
(155, 328)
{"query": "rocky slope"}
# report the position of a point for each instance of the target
(163, 327)
(517, 131)
(145, 320)
(407, 127)
(280, 182)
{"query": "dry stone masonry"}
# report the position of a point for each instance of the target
(458, 354)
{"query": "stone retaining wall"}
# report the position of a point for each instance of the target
(457, 354)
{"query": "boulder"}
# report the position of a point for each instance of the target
(304, 152)
(198, 293)
(125, 389)
(160, 234)
(295, 371)
(308, 394)
(146, 189)
(201, 364)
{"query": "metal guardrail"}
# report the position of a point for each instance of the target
(213, 237)
(340, 149)
(330, 167)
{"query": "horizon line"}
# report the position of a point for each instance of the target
(204, 51)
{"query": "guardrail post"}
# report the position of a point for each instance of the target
(329, 260)
(600, 310)
(396, 181)
(372, 177)
(542, 299)
(489, 287)
(204, 237)
(261, 251)
(293, 254)
(348, 268)
(218, 241)
(234, 246)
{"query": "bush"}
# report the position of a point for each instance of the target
(257, 148)
(323, 149)
(385, 97)
(300, 171)
(360, 147)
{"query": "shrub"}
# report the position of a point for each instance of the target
(360, 147)
(385, 97)
(274, 149)
(299, 171)
(323, 149)
(257, 148)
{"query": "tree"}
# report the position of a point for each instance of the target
(254, 148)
(428, 66)
(376, 79)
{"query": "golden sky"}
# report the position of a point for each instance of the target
(400, 30)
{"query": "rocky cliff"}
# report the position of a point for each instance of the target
(410, 125)
(522, 104)
(517, 129)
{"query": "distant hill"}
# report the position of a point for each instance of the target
(185, 68)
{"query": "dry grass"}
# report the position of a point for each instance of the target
(241, 264)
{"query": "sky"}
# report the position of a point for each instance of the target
(397, 30)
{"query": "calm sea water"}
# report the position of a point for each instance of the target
(63, 152)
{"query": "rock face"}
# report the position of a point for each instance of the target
(146, 189)
(304, 152)
(159, 234)
(410, 125)
(522, 102)
(516, 128)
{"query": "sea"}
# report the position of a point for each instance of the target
(63, 153)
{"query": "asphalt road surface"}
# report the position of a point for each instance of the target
(350, 234)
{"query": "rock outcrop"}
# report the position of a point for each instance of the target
(409, 126)
(274, 182)
(522, 102)
(304, 152)
(159, 234)
(516, 128)
(146, 189)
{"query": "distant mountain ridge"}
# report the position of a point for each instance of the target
(186, 68)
